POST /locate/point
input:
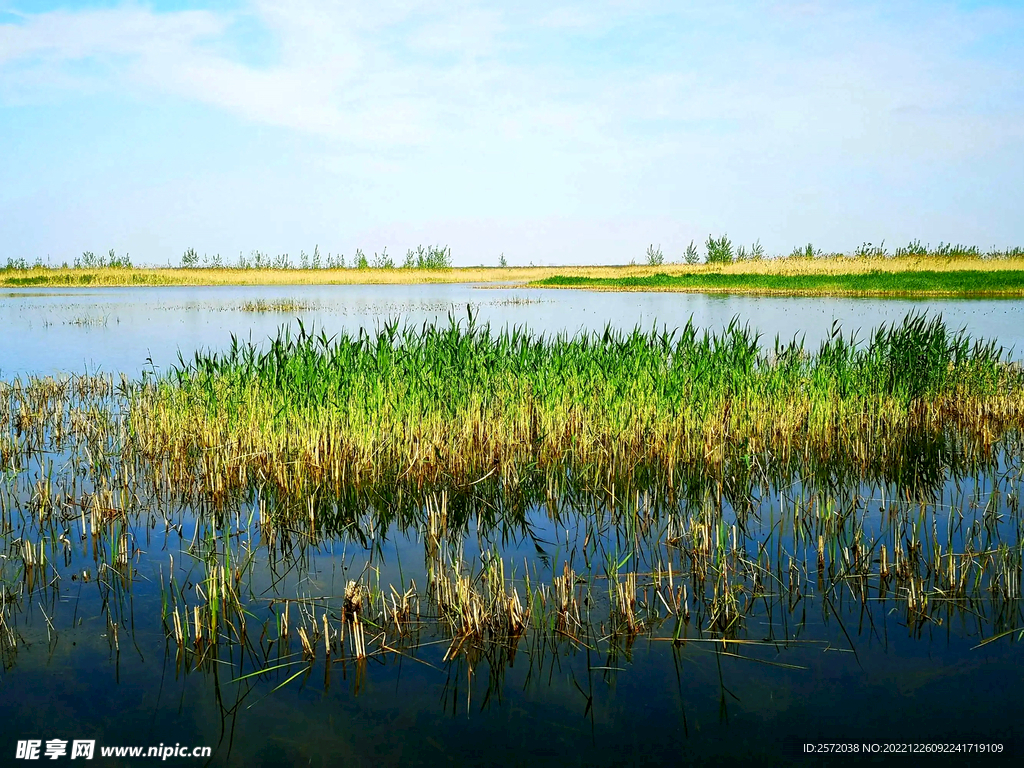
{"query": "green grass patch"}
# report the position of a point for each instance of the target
(965, 283)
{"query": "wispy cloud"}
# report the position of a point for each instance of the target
(404, 72)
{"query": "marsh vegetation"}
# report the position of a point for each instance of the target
(477, 503)
(462, 402)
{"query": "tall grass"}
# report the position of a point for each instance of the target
(461, 402)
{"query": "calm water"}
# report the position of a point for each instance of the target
(827, 668)
(121, 329)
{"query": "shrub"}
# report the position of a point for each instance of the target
(383, 261)
(691, 256)
(720, 250)
(655, 257)
(871, 251)
(429, 257)
(914, 248)
(807, 252)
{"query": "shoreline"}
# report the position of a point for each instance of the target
(843, 277)
(907, 284)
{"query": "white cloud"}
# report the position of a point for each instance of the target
(406, 73)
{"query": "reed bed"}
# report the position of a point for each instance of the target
(462, 404)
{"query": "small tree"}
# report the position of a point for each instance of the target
(655, 258)
(190, 259)
(720, 250)
(434, 257)
(691, 256)
(383, 261)
(502, 261)
(361, 260)
(808, 252)
(914, 249)
(118, 262)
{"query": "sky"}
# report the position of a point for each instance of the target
(550, 133)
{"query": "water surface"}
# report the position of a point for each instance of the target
(123, 329)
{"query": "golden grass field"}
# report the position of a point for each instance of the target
(520, 275)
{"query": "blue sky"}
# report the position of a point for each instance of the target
(554, 133)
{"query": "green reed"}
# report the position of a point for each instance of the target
(464, 403)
